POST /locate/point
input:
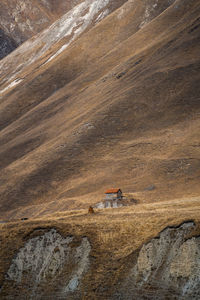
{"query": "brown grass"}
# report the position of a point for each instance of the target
(113, 233)
(143, 127)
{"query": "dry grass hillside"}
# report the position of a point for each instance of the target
(119, 107)
(116, 237)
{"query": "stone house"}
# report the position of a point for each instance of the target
(112, 198)
(113, 194)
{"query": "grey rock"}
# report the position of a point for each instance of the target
(167, 266)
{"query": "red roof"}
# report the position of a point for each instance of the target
(112, 191)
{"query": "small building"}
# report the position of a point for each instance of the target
(112, 199)
(113, 194)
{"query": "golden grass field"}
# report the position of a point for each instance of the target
(113, 233)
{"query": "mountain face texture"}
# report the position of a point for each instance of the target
(168, 264)
(51, 265)
(21, 20)
(99, 94)
(7, 45)
(87, 104)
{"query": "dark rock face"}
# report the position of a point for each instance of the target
(7, 44)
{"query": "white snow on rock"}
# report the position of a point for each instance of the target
(11, 85)
(68, 27)
(75, 22)
(148, 12)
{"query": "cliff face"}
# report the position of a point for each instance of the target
(167, 265)
(46, 260)
(50, 265)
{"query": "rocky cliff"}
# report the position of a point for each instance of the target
(53, 265)
(167, 266)
(46, 260)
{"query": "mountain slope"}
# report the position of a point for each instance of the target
(7, 45)
(22, 20)
(118, 107)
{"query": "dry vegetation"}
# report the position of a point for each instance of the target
(119, 113)
(114, 233)
(124, 113)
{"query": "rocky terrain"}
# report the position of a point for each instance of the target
(95, 95)
(168, 265)
(151, 251)
(7, 45)
(45, 258)
(21, 20)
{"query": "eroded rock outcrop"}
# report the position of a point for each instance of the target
(168, 265)
(49, 259)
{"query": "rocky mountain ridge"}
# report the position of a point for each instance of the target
(22, 20)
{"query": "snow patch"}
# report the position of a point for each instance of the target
(69, 27)
(74, 23)
(11, 85)
(102, 15)
(148, 13)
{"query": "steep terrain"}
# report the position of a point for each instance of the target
(106, 94)
(87, 106)
(149, 251)
(20, 20)
(7, 44)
